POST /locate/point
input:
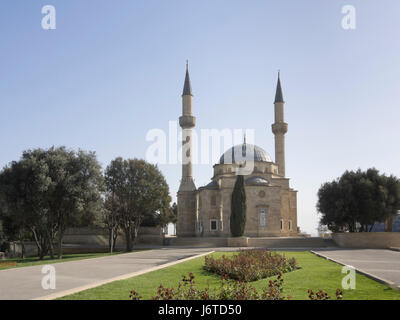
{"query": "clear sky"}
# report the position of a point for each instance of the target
(113, 70)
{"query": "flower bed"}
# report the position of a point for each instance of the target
(229, 290)
(250, 265)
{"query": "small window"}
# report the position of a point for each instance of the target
(281, 224)
(213, 225)
(290, 225)
(263, 217)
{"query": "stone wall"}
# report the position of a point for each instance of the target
(370, 240)
(258, 242)
(99, 236)
(15, 249)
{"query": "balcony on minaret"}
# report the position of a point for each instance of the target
(279, 128)
(187, 122)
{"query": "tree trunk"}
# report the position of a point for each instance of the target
(51, 247)
(135, 233)
(389, 224)
(128, 238)
(39, 247)
(111, 240)
(60, 239)
(43, 250)
(22, 249)
(115, 239)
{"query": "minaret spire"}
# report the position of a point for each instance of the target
(187, 88)
(279, 128)
(278, 94)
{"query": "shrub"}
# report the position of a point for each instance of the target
(228, 290)
(250, 265)
(322, 295)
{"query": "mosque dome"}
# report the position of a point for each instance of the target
(244, 151)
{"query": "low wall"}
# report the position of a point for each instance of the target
(89, 240)
(265, 242)
(99, 236)
(15, 249)
(370, 240)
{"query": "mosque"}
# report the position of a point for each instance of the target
(271, 202)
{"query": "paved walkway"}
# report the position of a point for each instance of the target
(378, 263)
(26, 282)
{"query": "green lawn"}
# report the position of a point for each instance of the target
(315, 273)
(33, 261)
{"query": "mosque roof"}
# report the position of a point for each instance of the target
(244, 151)
(213, 185)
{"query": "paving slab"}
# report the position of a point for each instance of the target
(379, 264)
(25, 283)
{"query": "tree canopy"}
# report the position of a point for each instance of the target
(47, 191)
(137, 190)
(356, 200)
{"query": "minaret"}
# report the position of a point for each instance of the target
(279, 128)
(186, 225)
(187, 122)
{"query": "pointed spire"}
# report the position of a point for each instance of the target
(279, 95)
(244, 146)
(187, 88)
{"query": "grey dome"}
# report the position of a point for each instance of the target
(257, 181)
(245, 151)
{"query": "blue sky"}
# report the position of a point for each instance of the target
(113, 70)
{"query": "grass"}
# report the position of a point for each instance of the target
(315, 273)
(34, 261)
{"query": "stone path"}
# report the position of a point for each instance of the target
(383, 265)
(26, 282)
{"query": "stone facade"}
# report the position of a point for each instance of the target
(271, 203)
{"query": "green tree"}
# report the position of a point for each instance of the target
(50, 190)
(23, 185)
(357, 200)
(140, 188)
(238, 208)
(112, 214)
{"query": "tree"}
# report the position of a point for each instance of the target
(50, 190)
(238, 208)
(357, 200)
(22, 188)
(112, 219)
(140, 188)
